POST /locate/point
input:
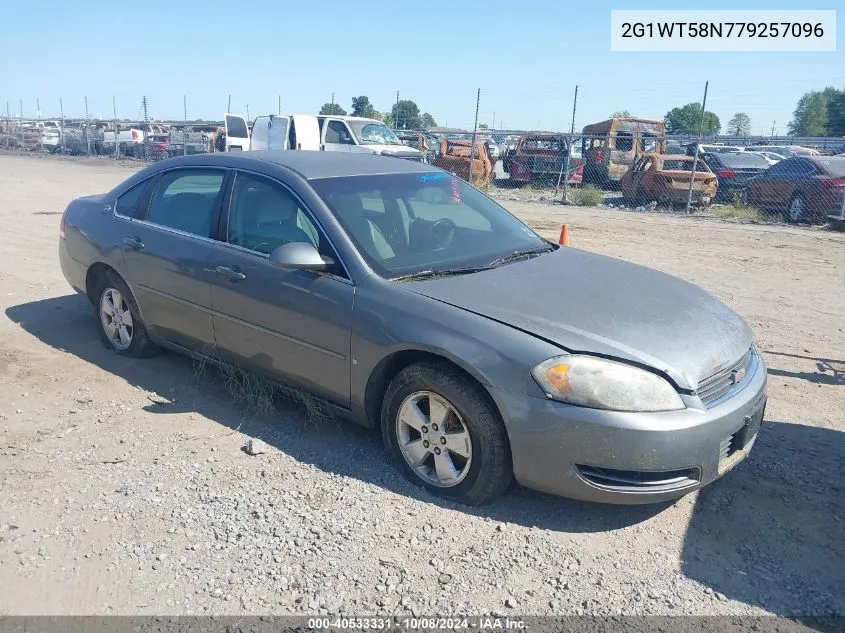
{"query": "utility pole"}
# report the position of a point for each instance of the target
(396, 118)
(773, 128)
(493, 127)
(280, 105)
(20, 121)
(8, 125)
(331, 108)
(229, 107)
(247, 112)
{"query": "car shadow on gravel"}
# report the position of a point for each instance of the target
(67, 323)
(772, 532)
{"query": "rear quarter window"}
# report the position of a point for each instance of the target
(127, 204)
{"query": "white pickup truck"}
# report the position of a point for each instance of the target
(316, 133)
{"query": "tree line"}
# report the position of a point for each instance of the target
(404, 115)
(818, 113)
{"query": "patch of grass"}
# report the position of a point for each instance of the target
(257, 393)
(740, 210)
(587, 196)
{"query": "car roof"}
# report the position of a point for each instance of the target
(348, 117)
(309, 164)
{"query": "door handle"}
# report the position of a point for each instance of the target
(232, 275)
(133, 242)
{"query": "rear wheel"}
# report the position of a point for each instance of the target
(445, 434)
(797, 209)
(119, 319)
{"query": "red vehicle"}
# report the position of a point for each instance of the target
(802, 188)
(540, 158)
(158, 146)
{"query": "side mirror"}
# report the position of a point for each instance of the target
(300, 255)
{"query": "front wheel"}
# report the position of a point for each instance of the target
(445, 434)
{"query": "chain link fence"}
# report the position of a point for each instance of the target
(622, 162)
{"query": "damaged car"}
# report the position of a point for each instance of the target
(665, 178)
(410, 302)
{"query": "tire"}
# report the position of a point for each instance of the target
(129, 337)
(481, 460)
(796, 211)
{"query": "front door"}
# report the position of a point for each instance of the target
(336, 136)
(167, 252)
(292, 324)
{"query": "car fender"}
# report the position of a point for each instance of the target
(389, 319)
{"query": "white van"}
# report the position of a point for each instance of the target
(322, 133)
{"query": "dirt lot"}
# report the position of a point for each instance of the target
(125, 488)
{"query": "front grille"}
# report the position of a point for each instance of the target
(726, 380)
(640, 481)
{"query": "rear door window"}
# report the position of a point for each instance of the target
(187, 200)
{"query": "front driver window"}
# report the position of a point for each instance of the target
(264, 215)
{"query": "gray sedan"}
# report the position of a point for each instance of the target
(414, 304)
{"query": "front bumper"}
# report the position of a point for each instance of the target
(619, 457)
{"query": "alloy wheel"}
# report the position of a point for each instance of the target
(116, 318)
(433, 439)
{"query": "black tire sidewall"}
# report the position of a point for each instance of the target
(466, 400)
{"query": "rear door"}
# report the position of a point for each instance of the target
(305, 131)
(277, 132)
(237, 133)
(789, 173)
(293, 324)
(760, 189)
(167, 253)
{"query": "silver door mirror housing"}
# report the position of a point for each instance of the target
(300, 255)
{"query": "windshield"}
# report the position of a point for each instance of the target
(373, 133)
(409, 223)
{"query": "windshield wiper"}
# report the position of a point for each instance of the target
(523, 253)
(442, 272)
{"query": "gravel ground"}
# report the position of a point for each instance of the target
(128, 487)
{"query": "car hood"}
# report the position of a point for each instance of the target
(396, 150)
(584, 302)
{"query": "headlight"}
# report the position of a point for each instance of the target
(603, 384)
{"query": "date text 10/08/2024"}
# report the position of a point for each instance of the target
(415, 624)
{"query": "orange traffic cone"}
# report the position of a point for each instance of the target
(564, 235)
